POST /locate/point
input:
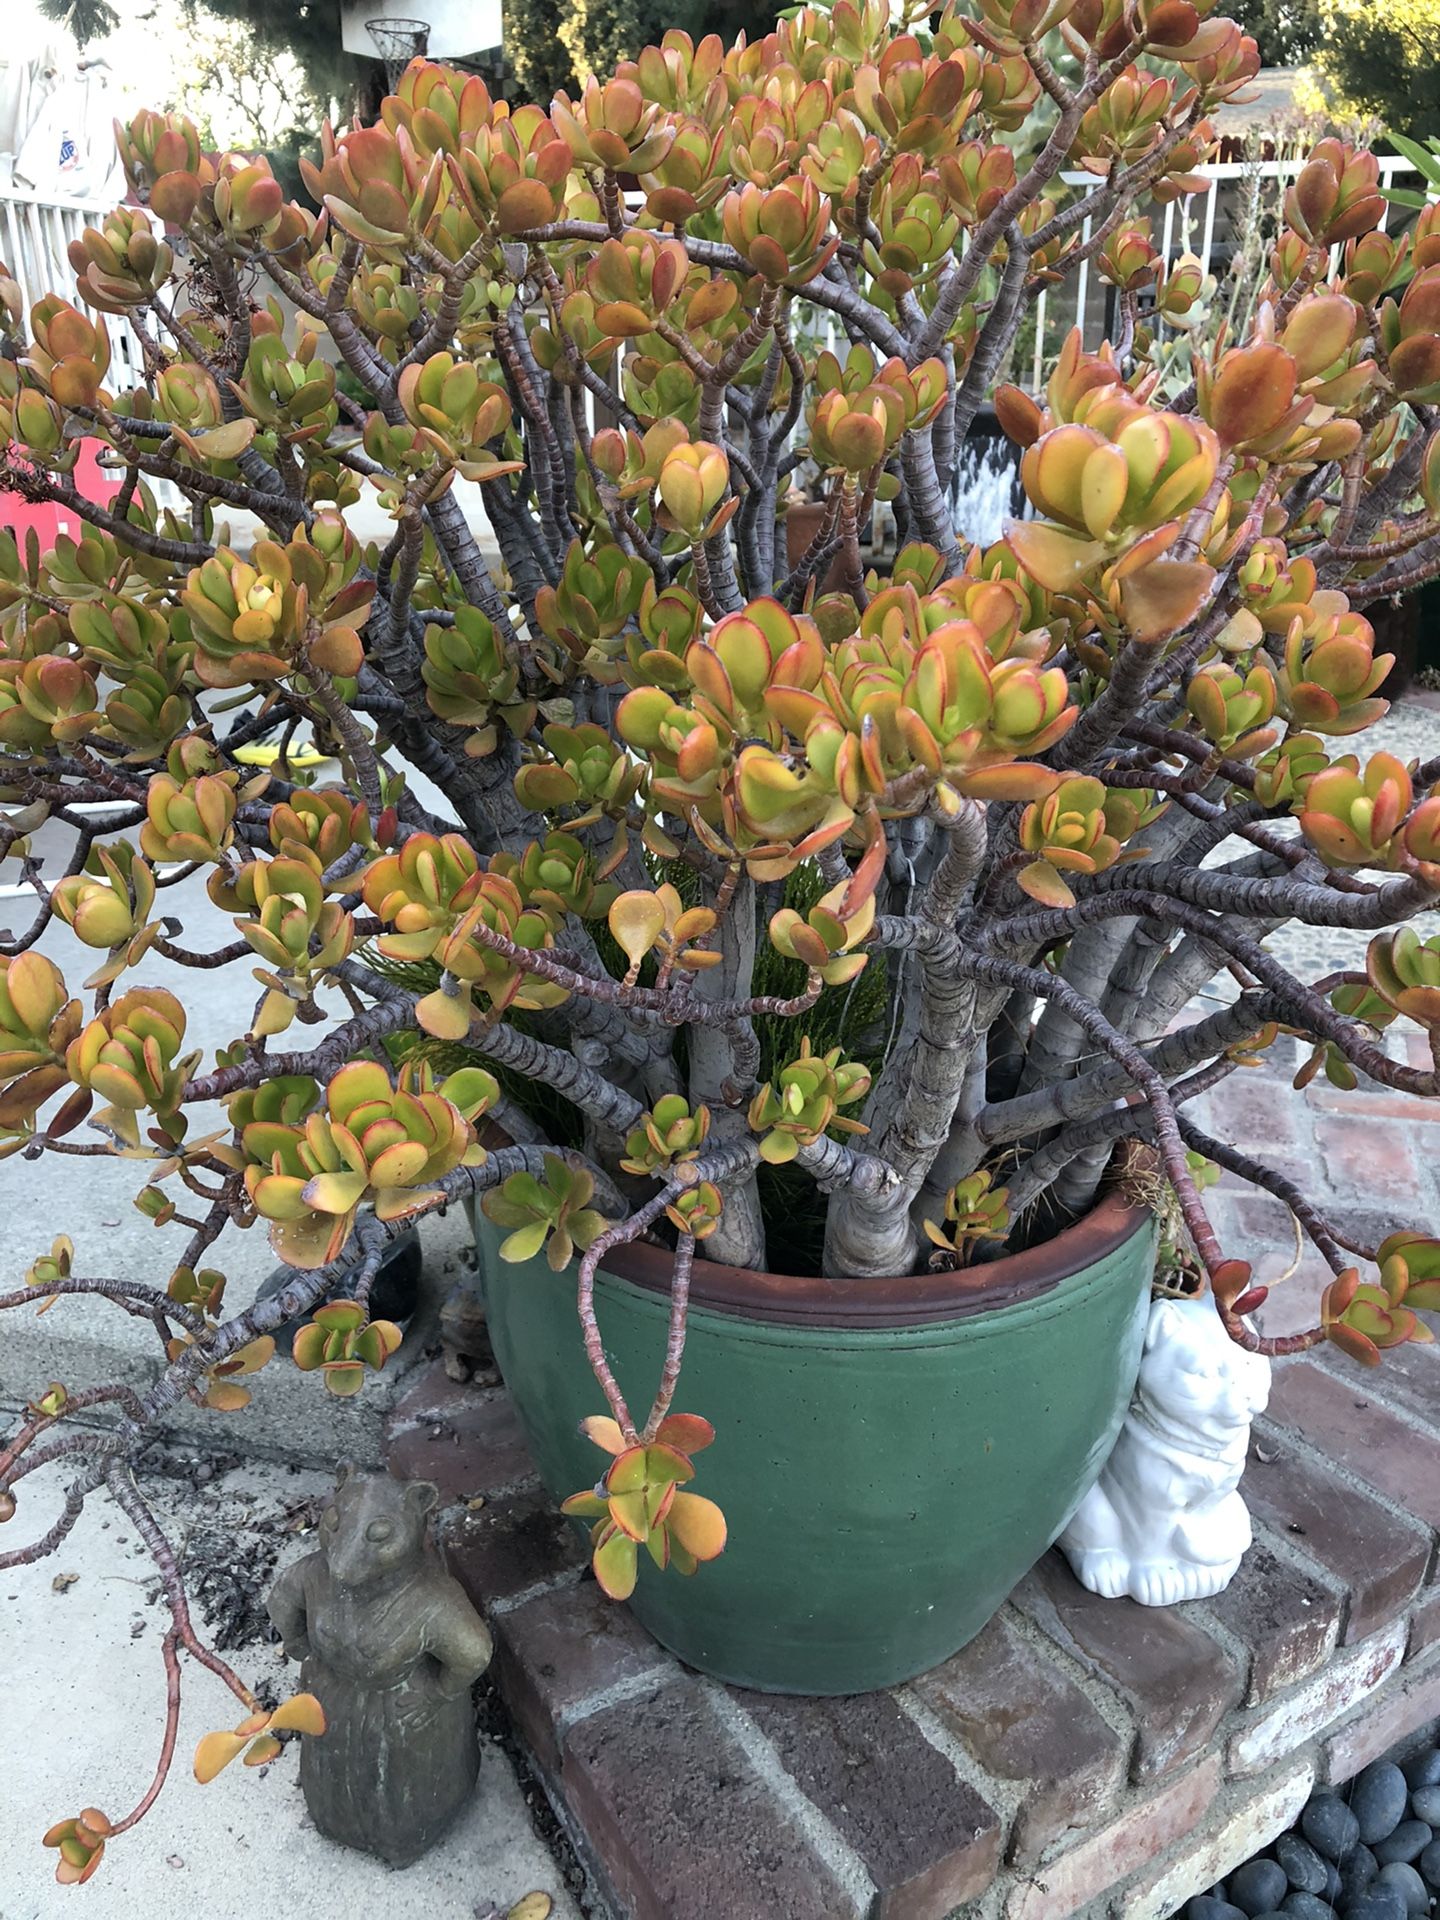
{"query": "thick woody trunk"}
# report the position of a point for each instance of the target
(723, 1066)
(910, 1121)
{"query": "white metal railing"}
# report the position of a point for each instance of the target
(35, 235)
(1058, 309)
(36, 231)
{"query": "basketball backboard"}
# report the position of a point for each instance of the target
(457, 27)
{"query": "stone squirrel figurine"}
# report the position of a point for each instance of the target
(464, 1334)
(1165, 1521)
(391, 1646)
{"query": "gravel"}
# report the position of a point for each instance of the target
(1366, 1851)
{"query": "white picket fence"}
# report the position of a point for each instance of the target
(35, 234)
(1193, 225)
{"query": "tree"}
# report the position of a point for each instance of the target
(247, 93)
(307, 29)
(86, 20)
(1382, 61)
(1287, 32)
(265, 78)
(551, 44)
(534, 51)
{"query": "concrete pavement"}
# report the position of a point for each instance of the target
(82, 1709)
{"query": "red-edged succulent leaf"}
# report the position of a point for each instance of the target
(1355, 1344)
(301, 1713)
(615, 1564)
(604, 1432)
(686, 1432)
(1230, 1280)
(1339, 1294)
(215, 1752)
(697, 1525)
(584, 1506)
(627, 1472)
(666, 1464)
(307, 1349)
(631, 1512)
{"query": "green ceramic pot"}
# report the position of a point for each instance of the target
(892, 1456)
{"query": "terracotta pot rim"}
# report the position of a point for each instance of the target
(905, 1300)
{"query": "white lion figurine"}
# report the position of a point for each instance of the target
(1165, 1522)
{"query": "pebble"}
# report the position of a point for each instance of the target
(1359, 1870)
(1259, 1886)
(1378, 1800)
(1307, 1906)
(1408, 1884)
(1377, 1903)
(1304, 1868)
(1407, 1842)
(1372, 1855)
(1330, 1827)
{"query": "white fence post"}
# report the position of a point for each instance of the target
(35, 235)
(1059, 308)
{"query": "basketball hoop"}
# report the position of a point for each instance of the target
(398, 41)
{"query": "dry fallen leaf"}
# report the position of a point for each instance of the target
(63, 1582)
(534, 1906)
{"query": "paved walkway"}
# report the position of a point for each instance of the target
(84, 1709)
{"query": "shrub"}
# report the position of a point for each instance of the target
(742, 875)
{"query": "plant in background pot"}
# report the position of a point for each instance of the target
(807, 950)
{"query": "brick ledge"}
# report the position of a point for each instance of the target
(1081, 1758)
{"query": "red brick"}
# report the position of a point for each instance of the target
(464, 1438)
(1062, 1886)
(1286, 1618)
(1027, 1724)
(561, 1649)
(1298, 1715)
(1370, 1158)
(510, 1545)
(1366, 1225)
(1379, 1558)
(1408, 1377)
(1409, 1703)
(1364, 1105)
(1252, 1109)
(928, 1839)
(1340, 1419)
(1263, 1233)
(1290, 1165)
(1294, 1305)
(1175, 1678)
(682, 1822)
(1237, 1830)
(1425, 1622)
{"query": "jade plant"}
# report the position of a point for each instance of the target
(696, 881)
